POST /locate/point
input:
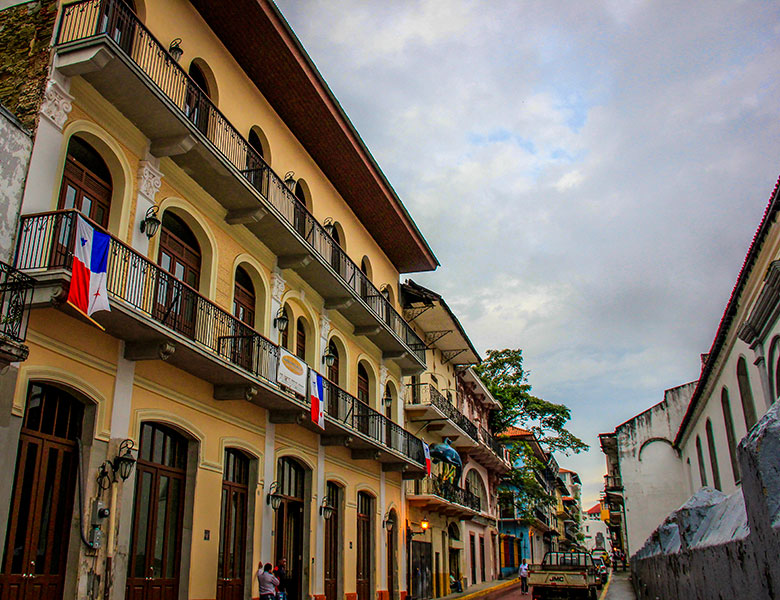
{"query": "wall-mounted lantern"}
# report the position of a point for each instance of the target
(151, 222)
(175, 49)
(274, 498)
(326, 510)
(281, 320)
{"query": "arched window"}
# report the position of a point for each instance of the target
(300, 339)
(244, 298)
(365, 267)
(730, 436)
(197, 104)
(333, 370)
(256, 143)
(86, 182)
(337, 257)
(745, 393)
(301, 219)
(362, 384)
(284, 336)
(700, 459)
(713, 456)
(179, 255)
(256, 170)
(476, 486)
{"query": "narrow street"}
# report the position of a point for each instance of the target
(619, 587)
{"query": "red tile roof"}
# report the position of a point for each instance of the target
(515, 431)
(596, 509)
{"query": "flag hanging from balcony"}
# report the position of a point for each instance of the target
(317, 400)
(88, 291)
(427, 452)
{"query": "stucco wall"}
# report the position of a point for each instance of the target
(718, 546)
(654, 480)
(15, 148)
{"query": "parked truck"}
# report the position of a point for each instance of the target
(564, 576)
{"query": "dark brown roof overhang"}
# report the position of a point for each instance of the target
(261, 40)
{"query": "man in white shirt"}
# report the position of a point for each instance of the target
(523, 572)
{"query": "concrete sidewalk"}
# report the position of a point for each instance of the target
(485, 588)
(618, 587)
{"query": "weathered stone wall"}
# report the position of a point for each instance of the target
(15, 149)
(25, 44)
(717, 546)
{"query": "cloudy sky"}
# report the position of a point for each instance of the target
(589, 174)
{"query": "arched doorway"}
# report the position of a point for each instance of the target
(233, 526)
(333, 542)
(196, 106)
(244, 303)
(365, 546)
(36, 548)
(180, 256)
(86, 182)
(300, 339)
(391, 534)
(289, 530)
(362, 410)
(158, 513)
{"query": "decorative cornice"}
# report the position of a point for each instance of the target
(56, 105)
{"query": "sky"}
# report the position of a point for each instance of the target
(589, 174)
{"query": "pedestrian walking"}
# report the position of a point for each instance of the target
(267, 581)
(523, 572)
(281, 574)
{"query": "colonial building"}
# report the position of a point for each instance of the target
(521, 537)
(254, 249)
(452, 516)
(690, 439)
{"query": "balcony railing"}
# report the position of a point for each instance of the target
(446, 490)
(15, 296)
(46, 242)
(355, 414)
(114, 21)
(491, 442)
(613, 483)
(425, 393)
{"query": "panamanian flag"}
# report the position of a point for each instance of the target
(317, 400)
(427, 452)
(88, 290)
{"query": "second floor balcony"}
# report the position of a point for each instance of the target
(435, 495)
(425, 404)
(159, 317)
(16, 290)
(104, 42)
(613, 483)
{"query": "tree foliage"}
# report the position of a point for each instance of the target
(503, 374)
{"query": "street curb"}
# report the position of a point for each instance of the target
(606, 587)
(489, 590)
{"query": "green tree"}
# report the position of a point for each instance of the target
(503, 374)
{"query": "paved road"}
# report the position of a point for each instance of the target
(620, 587)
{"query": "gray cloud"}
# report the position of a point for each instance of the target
(589, 174)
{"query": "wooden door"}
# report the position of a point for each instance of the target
(155, 545)
(391, 564)
(231, 563)
(482, 557)
(176, 304)
(289, 526)
(421, 569)
(332, 552)
(473, 557)
(41, 512)
(241, 346)
(364, 546)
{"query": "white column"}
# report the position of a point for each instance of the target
(277, 291)
(123, 395)
(319, 556)
(44, 174)
(149, 182)
(269, 472)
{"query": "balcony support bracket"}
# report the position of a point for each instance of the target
(235, 392)
(367, 454)
(395, 355)
(149, 350)
(339, 303)
(246, 215)
(337, 440)
(172, 146)
(294, 261)
(286, 417)
(83, 60)
(368, 330)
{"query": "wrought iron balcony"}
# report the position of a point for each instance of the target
(425, 403)
(161, 317)
(16, 291)
(104, 42)
(434, 494)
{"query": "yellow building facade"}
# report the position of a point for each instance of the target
(249, 233)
